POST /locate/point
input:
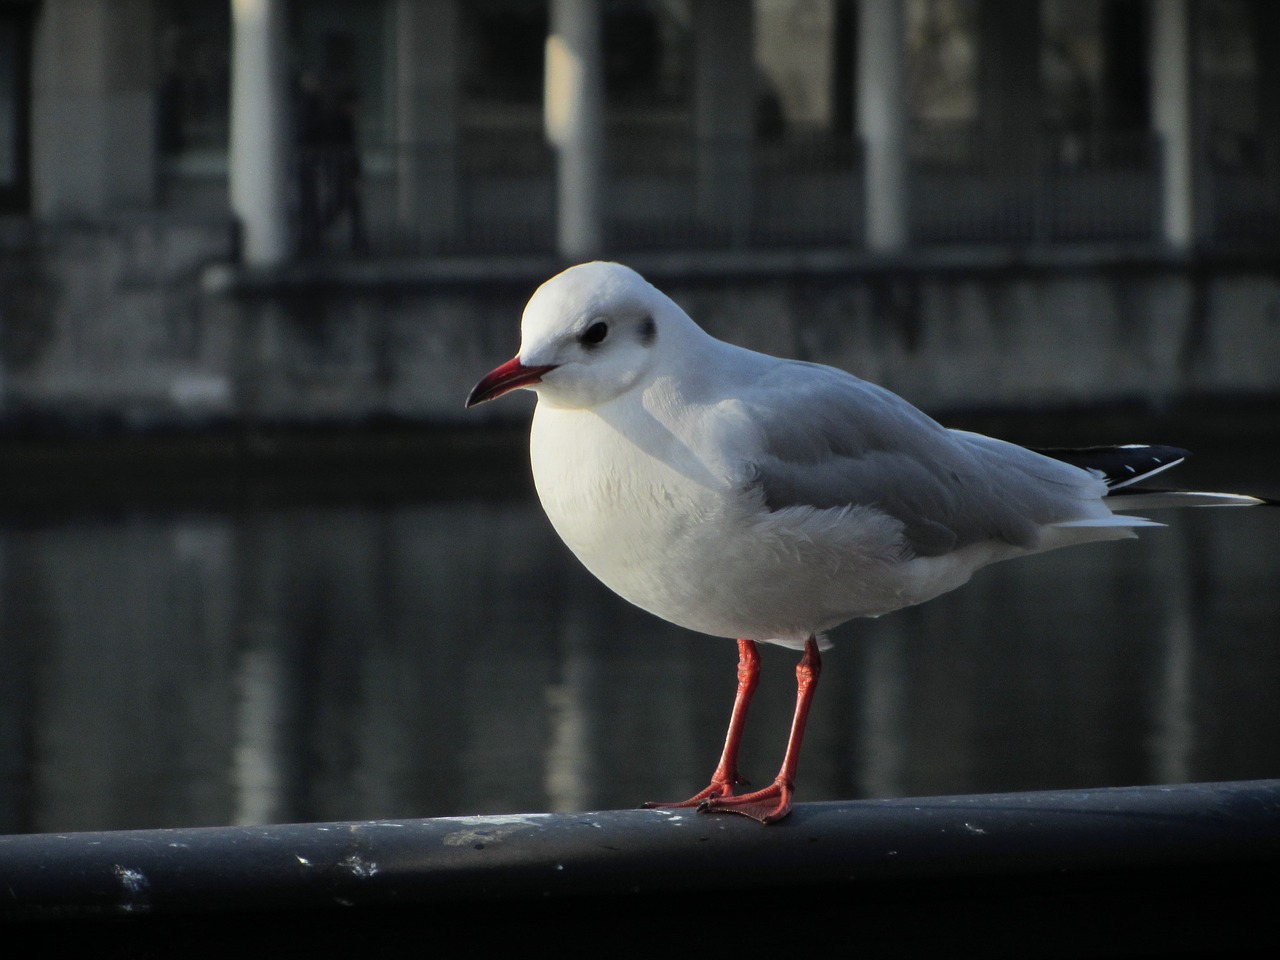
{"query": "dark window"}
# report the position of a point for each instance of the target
(341, 53)
(15, 108)
(502, 51)
(193, 111)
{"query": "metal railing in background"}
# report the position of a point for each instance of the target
(1240, 189)
(493, 191)
(1058, 189)
(732, 194)
(490, 191)
(808, 191)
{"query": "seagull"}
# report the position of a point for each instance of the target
(768, 500)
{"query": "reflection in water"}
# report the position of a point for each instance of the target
(312, 663)
(257, 761)
(569, 772)
(881, 760)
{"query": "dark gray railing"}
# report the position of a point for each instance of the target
(1147, 869)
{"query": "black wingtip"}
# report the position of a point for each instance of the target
(1120, 465)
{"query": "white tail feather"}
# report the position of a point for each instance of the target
(1158, 500)
(1112, 521)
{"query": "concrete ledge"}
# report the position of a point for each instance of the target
(144, 319)
(1144, 869)
(423, 273)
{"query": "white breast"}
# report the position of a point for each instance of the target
(621, 511)
(657, 527)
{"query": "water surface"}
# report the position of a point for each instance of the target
(247, 664)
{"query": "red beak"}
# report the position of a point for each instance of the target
(505, 378)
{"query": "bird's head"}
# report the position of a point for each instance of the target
(589, 335)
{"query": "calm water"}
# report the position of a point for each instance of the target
(295, 663)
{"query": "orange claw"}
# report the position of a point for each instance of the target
(716, 790)
(755, 805)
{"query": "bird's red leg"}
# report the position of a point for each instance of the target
(726, 775)
(774, 802)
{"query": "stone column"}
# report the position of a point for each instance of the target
(260, 130)
(724, 114)
(93, 143)
(574, 116)
(882, 122)
(1171, 111)
(427, 124)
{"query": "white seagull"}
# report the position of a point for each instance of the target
(768, 500)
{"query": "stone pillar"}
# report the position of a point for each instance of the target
(260, 130)
(427, 120)
(574, 116)
(724, 115)
(93, 144)
(1171, 111)
(882, 122)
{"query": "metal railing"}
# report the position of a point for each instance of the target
(1057, 189)
(495, 192)
(1155, 870)
(1240, 189)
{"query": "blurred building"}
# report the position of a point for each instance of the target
(319, 208)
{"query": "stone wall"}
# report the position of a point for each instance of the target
(1024, 336)
(139, 320)
(107, 319)
(1010, 337)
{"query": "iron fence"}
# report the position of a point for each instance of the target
(494, 192)
(1058, 189)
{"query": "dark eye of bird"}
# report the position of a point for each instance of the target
(594, 334)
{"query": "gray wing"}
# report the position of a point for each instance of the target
(828, 439)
